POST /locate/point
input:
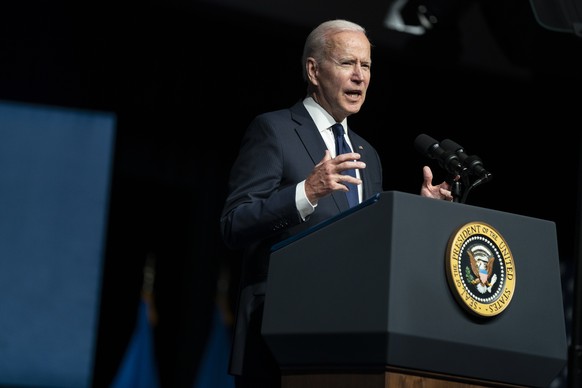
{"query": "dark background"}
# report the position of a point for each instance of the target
(185, 78)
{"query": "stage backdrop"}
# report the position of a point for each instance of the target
(55, 167)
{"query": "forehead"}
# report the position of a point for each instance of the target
(350, 43)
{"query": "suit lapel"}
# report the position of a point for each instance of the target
(364, 174)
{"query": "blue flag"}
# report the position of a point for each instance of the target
(213, 369)
(139, 368)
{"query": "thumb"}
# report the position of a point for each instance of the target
(427, 174)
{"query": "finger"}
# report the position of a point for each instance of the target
(348, 156)
(350, 165)
(343, 180)
(446, 194)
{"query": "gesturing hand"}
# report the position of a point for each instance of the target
(440, 191)
(327, 176)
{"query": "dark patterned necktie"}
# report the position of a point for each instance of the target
(342, 147)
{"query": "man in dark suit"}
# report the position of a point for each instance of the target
(287, 178)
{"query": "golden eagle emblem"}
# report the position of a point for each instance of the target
(482, 261)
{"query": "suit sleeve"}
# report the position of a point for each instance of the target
(260, 203)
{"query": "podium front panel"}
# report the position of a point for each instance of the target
(369, 289)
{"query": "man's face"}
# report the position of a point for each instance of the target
(344, 75)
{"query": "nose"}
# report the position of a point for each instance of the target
(358, 73)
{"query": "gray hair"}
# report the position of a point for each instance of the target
(317, 42)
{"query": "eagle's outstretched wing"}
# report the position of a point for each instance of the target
(490, 267)
(473, 262)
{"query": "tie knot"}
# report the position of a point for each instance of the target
(338, 129)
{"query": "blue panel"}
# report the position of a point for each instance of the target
(55, 169)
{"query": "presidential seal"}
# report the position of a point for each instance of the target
(480, 269)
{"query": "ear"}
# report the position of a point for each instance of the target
(311, 68)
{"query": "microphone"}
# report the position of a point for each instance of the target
(471, 162)
(447, 159)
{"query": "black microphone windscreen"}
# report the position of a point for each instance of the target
(450, 145)
(424, 143)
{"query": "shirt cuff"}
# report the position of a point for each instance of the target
(304, 207)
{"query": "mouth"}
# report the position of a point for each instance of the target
(354, 94)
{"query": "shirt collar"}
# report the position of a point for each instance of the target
(323, 120)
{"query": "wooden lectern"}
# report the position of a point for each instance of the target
(364, 301)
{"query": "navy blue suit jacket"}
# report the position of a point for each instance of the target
(278, 150)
